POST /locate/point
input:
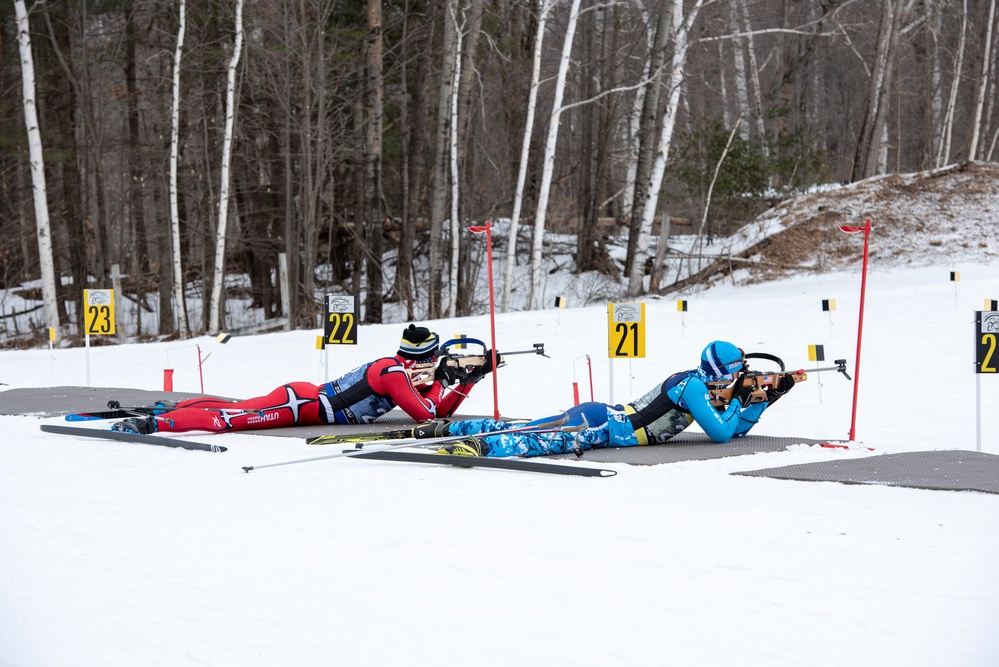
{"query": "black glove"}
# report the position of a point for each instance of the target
(478, 373)
(784, 384)
(743, 394)
(449, 375)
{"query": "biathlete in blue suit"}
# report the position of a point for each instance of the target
(652, 419)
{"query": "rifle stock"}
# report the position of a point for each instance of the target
(721, 392)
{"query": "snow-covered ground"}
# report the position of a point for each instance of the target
(113, 554)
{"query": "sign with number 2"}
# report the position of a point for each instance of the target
(986, 334)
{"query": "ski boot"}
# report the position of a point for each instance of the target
(138, 425)
(470, 447)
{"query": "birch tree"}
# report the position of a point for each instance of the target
(453, 154)
(681, 31)
(549, 158)
(178, 269)
(37, 163)
(441, 158)
(754, 74)
(870, 144)
(647, 130)
(635, 122)
(544, 7)
(943, 155)
(214, 306)
(373, 311)
(983, 84)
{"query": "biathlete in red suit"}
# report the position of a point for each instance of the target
(359, 396)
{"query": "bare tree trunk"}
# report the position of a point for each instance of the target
(983, 84)
(739, 73)
(647, 133)
(635, 125)
(586, 121)
(469, 45)
(876, 117)
(373, 309)
(359, 202)
(943, 157)
(178, 255)
(754, 73)
(440, 191)
(681, 33)
(414, 163)
(453, 156)
(64, 193)
(91, 141)
(140, 254)
(296, 124)
(215, 306)
(544, 6)
(316, 68)
(935, 113)
(35, 152)
(596, 132)
(463, 282)
(549, 160)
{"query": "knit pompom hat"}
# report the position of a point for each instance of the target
(418, 343)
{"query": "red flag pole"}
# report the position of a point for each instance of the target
(488, 229)
(860, 322)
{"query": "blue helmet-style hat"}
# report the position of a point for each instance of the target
(418, 343)
(720, 359)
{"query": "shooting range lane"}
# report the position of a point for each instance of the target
(954, 470)
(57, 401)
(947, 470)
(691, 447)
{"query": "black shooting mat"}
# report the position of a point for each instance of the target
(948, 470)
(690, 447)
(684, 447)
(56, 401)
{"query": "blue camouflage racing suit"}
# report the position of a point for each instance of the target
(654, 418)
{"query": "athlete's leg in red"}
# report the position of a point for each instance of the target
(288, 405)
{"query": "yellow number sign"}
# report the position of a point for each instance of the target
(98, 312)
(986, 333)
(341, 320)
(626, 330)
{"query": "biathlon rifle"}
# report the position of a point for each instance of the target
(721, 391)
(423, 373)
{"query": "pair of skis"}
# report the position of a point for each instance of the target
(117, 411)
(386, 453)
(136, 438)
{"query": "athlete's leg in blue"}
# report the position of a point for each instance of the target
(476, 426)
(595, 435)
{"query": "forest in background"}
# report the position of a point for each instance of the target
(361, 133)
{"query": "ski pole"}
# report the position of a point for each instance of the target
(409, 442)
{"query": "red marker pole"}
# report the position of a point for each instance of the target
(860, 324)
(488, 231)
